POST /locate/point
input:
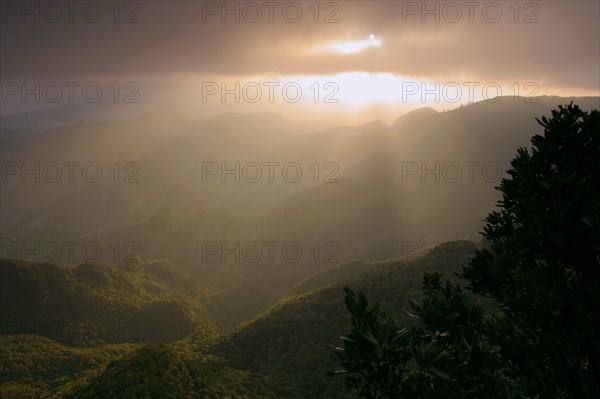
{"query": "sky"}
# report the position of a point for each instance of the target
(351, 60)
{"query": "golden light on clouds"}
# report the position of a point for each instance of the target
(353, 97)
(346, 46)
(367, 55)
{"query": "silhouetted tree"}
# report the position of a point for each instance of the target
(543, 264)
(541, 267)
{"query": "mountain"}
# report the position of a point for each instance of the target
(32, 366)
(143, 161)
(365, 128)
(158, 371)
(331, 275)
(284, 352)
(435, 183)
(94, 303)
(291, 343)
(37, 121)
(428, 178)
(36, 367)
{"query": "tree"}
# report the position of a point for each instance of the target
(541, 267)
(449, 357)
(543, 264)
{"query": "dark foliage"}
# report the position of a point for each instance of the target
(541, 266)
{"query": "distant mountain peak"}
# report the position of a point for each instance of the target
(359, 129)
(376, 124)
(419, 112)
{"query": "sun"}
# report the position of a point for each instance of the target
(346, 46)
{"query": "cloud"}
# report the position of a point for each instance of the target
(560, 49)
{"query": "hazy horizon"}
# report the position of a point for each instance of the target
(198, 198)
(351, 62)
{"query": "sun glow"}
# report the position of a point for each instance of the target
(346, 46)
(353, 89)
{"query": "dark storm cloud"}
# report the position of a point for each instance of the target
(561, 48)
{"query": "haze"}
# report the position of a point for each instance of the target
(378, 59)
